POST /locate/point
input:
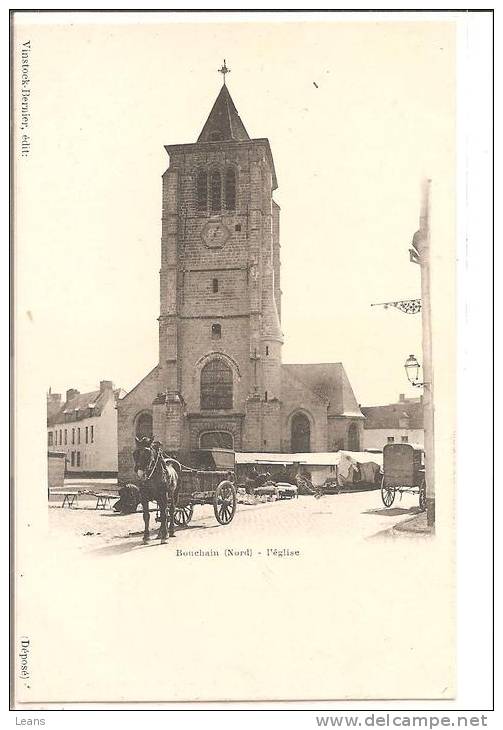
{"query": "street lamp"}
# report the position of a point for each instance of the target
(412, 369)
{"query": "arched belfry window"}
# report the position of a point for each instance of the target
(216, 386)
(144, 426)
(230, 189)
(202, 190)
(215, 191)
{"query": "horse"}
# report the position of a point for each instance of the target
(159, 475)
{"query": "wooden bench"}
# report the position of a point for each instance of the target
(69, 499)
(103, 501)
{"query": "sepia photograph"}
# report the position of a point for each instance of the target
(235, 333)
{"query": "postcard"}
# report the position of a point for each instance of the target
(235, 357)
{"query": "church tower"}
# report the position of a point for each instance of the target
(220, 339)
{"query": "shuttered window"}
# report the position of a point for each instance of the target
(202, 190)
(230, 189)
(216, 191)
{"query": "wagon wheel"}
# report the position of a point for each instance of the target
(422, 496)
(183, 515)
(387, 494)
(224, 502)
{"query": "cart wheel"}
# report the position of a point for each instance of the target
(387, 494)
(224, 502)
(422, 496)
(183, 515)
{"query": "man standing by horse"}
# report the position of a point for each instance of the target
(159, 476)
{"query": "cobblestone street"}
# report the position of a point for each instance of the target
(332, 518)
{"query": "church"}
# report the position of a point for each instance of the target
(220, 380)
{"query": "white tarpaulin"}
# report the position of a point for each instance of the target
(330, 458)
(345, 465)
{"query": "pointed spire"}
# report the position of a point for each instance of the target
(223, 123)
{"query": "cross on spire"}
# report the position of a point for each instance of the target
(224, 70)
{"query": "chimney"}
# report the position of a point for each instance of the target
(71, 393)
(402, 397)
(106, 385)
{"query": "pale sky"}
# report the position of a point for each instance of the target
(349, 153)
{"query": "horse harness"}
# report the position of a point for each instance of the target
(163, 466)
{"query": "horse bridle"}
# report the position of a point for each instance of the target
(154, 467)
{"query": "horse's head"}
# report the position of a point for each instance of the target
(144, 456)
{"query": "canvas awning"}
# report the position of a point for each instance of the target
(330, 458)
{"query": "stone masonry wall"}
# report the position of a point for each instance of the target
(338, 429)
(128, 409)
(296, 397)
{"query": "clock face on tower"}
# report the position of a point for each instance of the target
(215, 234)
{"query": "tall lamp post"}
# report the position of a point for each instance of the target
(420, 254)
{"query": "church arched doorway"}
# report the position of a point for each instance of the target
(301, 434)
(353, 438)
(144, 425)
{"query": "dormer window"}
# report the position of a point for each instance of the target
(216, 136)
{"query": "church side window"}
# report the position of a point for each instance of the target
(230, 189)
(202, 190)
(215, 191)
(216, 386)
(216, 440)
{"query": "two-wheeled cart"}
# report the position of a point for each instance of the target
(403, 472)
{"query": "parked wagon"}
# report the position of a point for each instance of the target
(403, 471)
(205, 487)
(210, 481)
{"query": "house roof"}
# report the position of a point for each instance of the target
(224, 122)
(81, 403)
(330, 383)
(389, 416)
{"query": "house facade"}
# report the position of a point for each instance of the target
(84, 427)
(220, 379)
(400, 422)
